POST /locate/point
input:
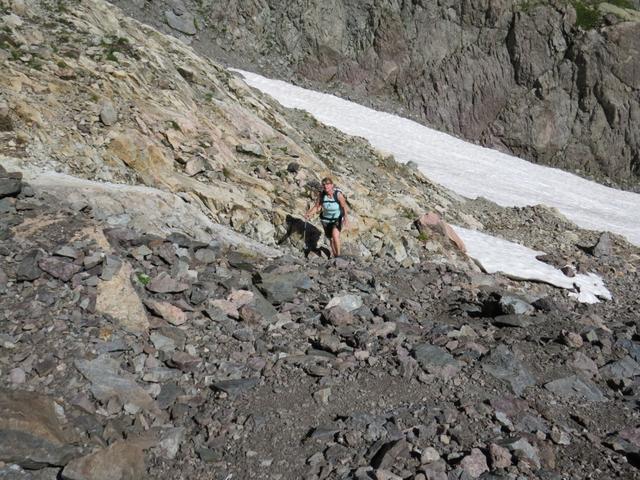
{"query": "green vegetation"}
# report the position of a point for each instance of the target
(622, 4)
(173, 124)
(423, 237)
(143, 278)
(114, 44)
(35, 63)
(588, 15)
(408, 213)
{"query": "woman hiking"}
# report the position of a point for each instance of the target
(334, 213)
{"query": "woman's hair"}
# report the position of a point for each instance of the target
(327, 181)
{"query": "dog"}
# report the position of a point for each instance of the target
(303, 230)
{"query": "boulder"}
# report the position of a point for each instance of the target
(183, 22)
(10, 184)
(122, 460)
(31, 433)
(575, 388)
(118, 298)
(436, 360)
(108, 380)
(502, 364)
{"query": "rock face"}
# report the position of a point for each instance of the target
(532, 79)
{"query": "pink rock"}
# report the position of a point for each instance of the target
(240, 298)
(227, 307)
(169, 312)
(475, 464)
(500, 456)
(433, 221)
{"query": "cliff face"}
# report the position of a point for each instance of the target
(533, 78)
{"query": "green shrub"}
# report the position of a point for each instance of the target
(622, 4)
(587, 16)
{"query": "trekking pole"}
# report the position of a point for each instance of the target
(304, 233)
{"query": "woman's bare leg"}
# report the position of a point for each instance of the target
(335, 242)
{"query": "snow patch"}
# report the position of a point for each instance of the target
(475, 171)
(516, 261)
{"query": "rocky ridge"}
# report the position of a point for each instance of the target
(150, 330)
(555, 82)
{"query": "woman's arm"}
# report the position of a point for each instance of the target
(345, 210)
(315, 209)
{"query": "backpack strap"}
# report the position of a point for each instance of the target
(336, 191)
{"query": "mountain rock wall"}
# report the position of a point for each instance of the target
(531, 78)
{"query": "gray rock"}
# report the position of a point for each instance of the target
(251, 149)
(170, 442)
(28, 269)
(338, 316)
(60, 269)
(107, 380)
(160, 375)
(184, 22)
(575, 388)
(17, 376)
(67, 251)
(108, 114)
(10, 184)
(502, 364)
(347, 302)
(169, 392)
(194, 166)
(162, 342)
(524, 447)
(262, 307)
(6, 124)
(205, 255)
(15, 472)
(236, 387)
(283, 287)
(520, 321)
(184, 361)
(92, 260)
(436, 360)
(110, 267)
(163, 283)
(4, 280)
(436, 470)
(389, 452)
(625, 368)
(603, 248)
(514, 305)
(632, 347)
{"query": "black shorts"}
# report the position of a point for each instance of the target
(329, 226)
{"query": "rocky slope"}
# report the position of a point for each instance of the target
(90, 93)
(551, 81)
(159, 318)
